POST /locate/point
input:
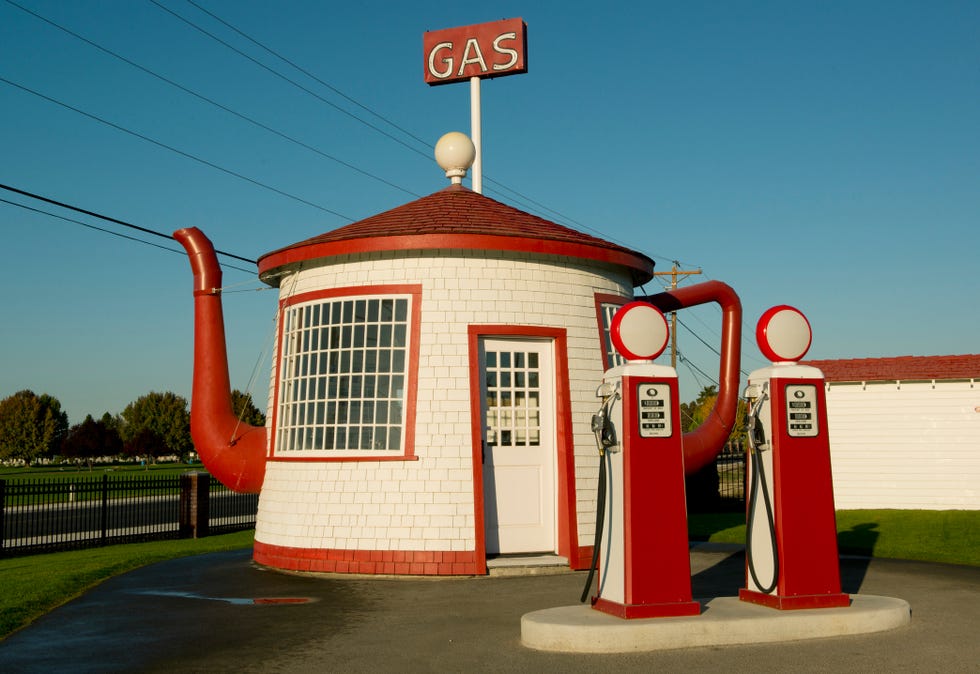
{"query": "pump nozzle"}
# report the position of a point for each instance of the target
(605, 390)
(756, 395)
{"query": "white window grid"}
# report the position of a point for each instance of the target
(613, 357)
(513, 398)
(343, 376)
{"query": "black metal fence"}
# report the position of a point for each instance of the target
(730, 465)
(45, 515)
(719, 487)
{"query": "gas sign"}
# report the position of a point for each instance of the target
(482, 50)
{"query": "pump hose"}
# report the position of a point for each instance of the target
(600, 515)
(758, 479)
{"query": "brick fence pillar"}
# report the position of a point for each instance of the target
(194, 510)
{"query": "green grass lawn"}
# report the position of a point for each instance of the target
(32, 586)
(949, 536)
(72, 472)
(86, 484)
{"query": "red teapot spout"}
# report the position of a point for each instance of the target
(232, 451)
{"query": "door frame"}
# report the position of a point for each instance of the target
(566, 519)
(499, 492)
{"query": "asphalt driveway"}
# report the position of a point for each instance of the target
(220, 612)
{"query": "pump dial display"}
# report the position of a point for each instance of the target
(653, 410)
(801, 411)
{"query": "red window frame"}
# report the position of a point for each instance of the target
(414, 291)
(603, 329)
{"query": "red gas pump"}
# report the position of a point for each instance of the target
(791, 533)
(644, 564)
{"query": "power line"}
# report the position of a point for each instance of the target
(175, 150)
(674, 273)
(265, 127)
(694, 368)
(109, 231)
(207, 163)
(747, 332)
(709, 347)
(520, 196)
(309, 74)
(107, 218)
(210, 101)
(85, 224)
(283, 77)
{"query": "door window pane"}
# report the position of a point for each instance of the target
(513, 415)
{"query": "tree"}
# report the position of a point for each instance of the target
(113, 423)
(91, 439)
(693, 414)
(146, 443)
(160, 421)
(245, 409)
(31, 426)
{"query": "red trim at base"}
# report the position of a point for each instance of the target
(581, 558)
(792, 602)
(388, 562)
(631, 611)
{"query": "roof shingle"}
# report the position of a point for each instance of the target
(456, 217)
(900, 368)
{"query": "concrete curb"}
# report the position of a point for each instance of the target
(723, 621)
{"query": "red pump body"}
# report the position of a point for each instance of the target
(645, 568)
(791, 542)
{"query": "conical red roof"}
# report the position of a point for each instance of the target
(458, 218)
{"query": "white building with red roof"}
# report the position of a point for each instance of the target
(433, 387)
(438, 367)
(905, 431)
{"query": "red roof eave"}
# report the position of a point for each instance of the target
(899, 368)
(640, 267)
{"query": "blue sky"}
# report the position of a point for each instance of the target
(824, 155)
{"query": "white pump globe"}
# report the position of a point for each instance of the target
(639, 331)
(783, 334)
(455, 154)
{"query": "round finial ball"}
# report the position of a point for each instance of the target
(455, 150)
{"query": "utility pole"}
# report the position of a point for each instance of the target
(673, 274)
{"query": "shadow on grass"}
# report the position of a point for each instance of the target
(719, 527)
(857, 544)
(859, 540)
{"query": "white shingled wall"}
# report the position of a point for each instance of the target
(904, 444)
(427, 504)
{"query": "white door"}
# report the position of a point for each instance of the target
(518, 385)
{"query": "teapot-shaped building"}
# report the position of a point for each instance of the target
(432, 389)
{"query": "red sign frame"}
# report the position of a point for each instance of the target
(482, 50)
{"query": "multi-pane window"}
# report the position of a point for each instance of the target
(613, 357)
(513, 398)
(344, 374)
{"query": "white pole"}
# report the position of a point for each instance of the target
(476, 173)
